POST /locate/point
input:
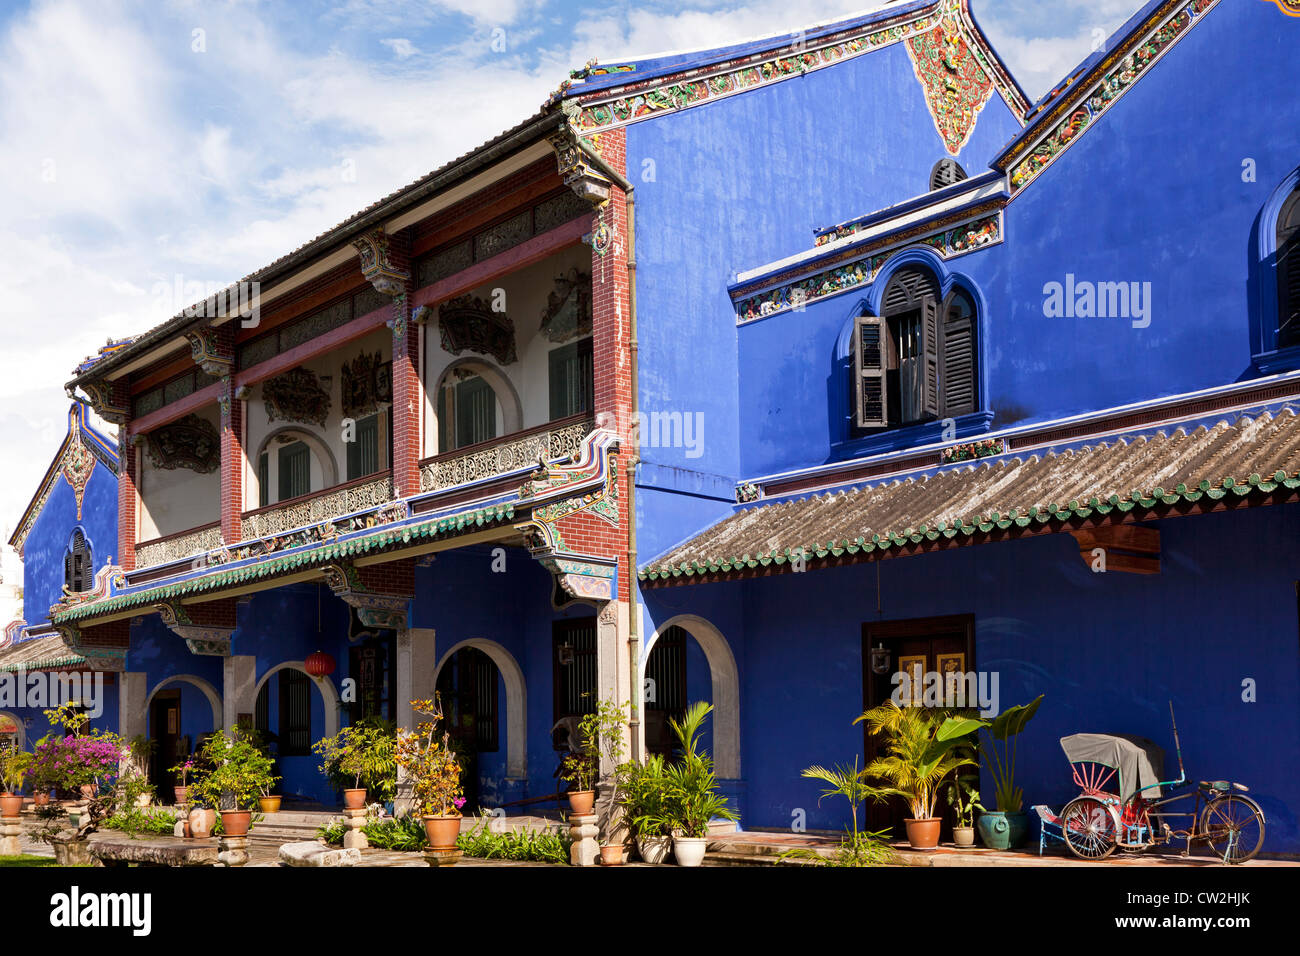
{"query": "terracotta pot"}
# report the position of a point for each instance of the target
(442, 832)
(202, 820)
(87, 791)
(611, 855)
(268, 804)
(41, 799)
(963, 836)
(689, 851)
(235, 822)
(654, 849)
(923, 834)
(581, 802)
(11, 804)
(182, 794)
(354, 799)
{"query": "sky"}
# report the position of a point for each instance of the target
(145, 141)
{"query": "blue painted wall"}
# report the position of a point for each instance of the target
(1107, 650)
(51, 533)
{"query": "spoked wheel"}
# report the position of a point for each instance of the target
(1234, 827)
(1089, 828)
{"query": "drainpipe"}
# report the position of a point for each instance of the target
(634, 459)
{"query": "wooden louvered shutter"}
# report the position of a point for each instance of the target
(957, 368)
(1288, 274)
(69, 575)
(869, 372)
(930, 357)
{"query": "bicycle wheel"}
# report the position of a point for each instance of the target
(1235, 820)
(1088, 826)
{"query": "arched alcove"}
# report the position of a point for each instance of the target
(516, 700)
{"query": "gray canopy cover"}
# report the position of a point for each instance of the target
(1139, 761)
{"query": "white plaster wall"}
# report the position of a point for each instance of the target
(525, 294)
(329, 456)
(175, 500)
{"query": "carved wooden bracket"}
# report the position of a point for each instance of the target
(108, 659)
(208, 641)
(374, 609)
(102, 401)
(377, 264)
(576, 169)
(1122, 547)
(210, 353)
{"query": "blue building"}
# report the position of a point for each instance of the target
(720, 335)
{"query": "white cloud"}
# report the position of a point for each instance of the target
(402, 48)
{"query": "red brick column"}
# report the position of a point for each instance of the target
(408, 399)
(233, 463)
(611, 341)
(128, 498)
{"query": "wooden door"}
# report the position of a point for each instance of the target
(165, 729)
(934, 644)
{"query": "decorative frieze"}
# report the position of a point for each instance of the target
(178, 548)
(296, 396)
(77, 467)
(505, 457)
(956, 85)
(367, 385)
(191, 442)
(1127, 67)
(321, 508)
(949, 243)
(970, 451)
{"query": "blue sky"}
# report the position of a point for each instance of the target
(144, 140)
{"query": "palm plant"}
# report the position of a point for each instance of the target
(692, 796)
(858, 848)
(921, 750)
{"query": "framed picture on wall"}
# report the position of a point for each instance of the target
(914, 667)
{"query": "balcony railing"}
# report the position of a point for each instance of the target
(174, 547)
(321, 506)
(558, 439)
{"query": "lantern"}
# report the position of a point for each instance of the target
(319, 664)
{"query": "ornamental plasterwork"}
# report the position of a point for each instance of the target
(78, 465)
(949, 243)
(101, 400)
(377, 265)
(568, 314)
(296, 396)
(470, 324)
(191, 442)
(1290, 7)
(175, 549)
(577, 170)
(956, 85)
(373, 610)
(1126, 69)
(506, 457)
(367, 385)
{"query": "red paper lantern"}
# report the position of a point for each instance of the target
(319, 664)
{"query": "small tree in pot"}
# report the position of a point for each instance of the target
(434, 770)
(14, 764)
(363, 755)
(235, 770)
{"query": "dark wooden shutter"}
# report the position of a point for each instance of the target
(78, 565)
(930, 357)
(295, 713)
(957, 369)
(1288, 273)
(295, 471)
(871, 398)
(69, 576)
(263, 480)
(363, 450)
(946, 172)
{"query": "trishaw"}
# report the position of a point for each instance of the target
(1124, 804)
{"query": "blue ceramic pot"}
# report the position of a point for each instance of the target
(1003, 831)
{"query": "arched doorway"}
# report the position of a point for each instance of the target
(177, 720)
(470, 677)
(289, 717)
(475, 402)
(724, 684)
(12, 732)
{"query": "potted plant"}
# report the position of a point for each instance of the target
(964, 797)
(235, 771)
(268, 802)
(644, 791)
(182, 770)
(921, 749)
(14, 764)
(601, 733)
(692, 796)
(1007, 827)
(858, 848)
(363, 755)
(434, 771)
(135, 760)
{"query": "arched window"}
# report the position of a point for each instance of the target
(916, 361)
(946, 172)
(78, 565)
(1288, 272)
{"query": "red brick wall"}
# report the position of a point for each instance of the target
(610, 349)
(112, 634)
(127, 496)
(219, 613)
(408, 403)
(395, 577)
(232, 465)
